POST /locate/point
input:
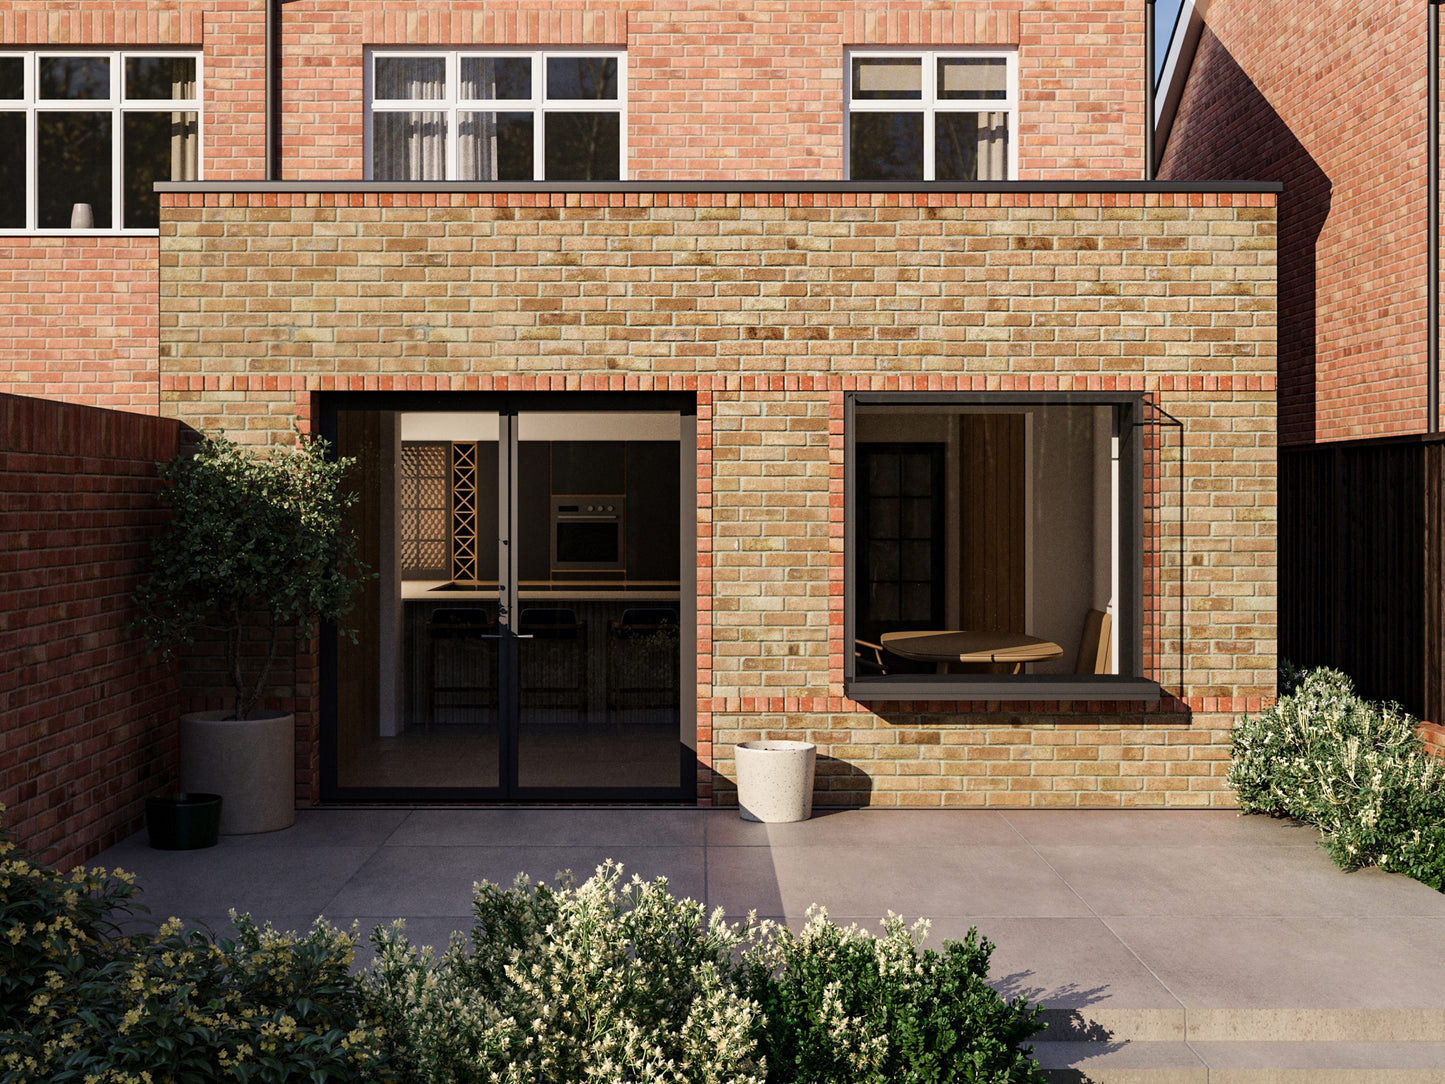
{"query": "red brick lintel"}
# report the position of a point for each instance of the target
(643, 198)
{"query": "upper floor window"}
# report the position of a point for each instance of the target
(86, 134)
(493, 115)
(931, 115)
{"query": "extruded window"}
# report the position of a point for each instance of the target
(932, 115)
(993, 546)
(493, 115)
(88, 133)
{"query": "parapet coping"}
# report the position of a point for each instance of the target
(738, 187)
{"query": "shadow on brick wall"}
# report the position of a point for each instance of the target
(1227, 130)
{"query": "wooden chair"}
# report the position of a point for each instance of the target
(553, 659)
(869, 658)
(642, 659)
(1096, 644)
(461, 659)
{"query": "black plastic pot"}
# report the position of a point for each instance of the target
(183, 822)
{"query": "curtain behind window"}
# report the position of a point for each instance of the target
(409, 145)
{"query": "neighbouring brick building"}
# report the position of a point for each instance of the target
(1282, 92)
(698, 360)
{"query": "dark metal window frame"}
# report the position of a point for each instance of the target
(1129, 621)
(509, 404)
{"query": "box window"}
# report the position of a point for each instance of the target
(931, 116)
(88, 134)
(497, 116)
(993, 546)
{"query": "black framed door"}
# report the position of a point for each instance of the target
(529, 633)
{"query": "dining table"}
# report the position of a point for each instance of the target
(995, 650)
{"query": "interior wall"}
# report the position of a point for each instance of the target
(1063, 529)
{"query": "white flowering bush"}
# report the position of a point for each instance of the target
(606, 982)
(1356, 769)
(83, 1002)
(623, 984)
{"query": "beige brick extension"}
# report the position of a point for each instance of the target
(769, 307)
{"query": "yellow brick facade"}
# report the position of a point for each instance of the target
(770, 307)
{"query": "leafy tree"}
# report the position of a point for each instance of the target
(251, 536)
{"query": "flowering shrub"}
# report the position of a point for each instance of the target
(1356, 769)
(625, 984)
(603, 982)
(79, 1001)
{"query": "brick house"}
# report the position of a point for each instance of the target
(696, 359)
(1362, 464)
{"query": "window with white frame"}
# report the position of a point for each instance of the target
(87, 133)
(497, 115)
(931, 115)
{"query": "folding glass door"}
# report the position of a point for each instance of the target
(529, 630)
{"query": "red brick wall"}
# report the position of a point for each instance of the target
(743, 90)
(78, 319)
(1340, 119)
(88, 716)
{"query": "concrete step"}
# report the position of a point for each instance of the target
(1242, 1062)
(1177, 1025)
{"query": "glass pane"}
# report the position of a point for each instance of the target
(973, 77)
(409, 78)
(12, 171)
(599, 562)
(970, 146)
(883, 517)
(890, 77)
(587, 78)
(917, 561)
(408, 146)
(495, 78)
(160, 77)
(12, 78)
(917, 475)
(583, 146)
(75, 77)
(74, 160)
(157, 147)
(418, 693)
(885, 147)
(495, 146)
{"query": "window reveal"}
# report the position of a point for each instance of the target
(930, 116)
(89, 134)
(516, 116)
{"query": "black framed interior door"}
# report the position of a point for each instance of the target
(528, 634)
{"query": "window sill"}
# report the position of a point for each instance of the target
(79, 233)
(956, 687)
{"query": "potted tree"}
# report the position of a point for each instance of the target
(255, 541)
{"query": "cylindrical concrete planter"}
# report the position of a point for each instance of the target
(775, 780)
(250, 763)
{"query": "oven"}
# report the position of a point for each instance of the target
(588, 534)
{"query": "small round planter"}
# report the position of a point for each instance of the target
(183, 822)
(775, 780)
(250, 763)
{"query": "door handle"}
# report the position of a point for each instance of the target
(503, 635)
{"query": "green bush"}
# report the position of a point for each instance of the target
(1356, 769)
(625, 984)
(841, 1007)
(82, 1002)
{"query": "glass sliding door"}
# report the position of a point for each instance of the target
(528, 634)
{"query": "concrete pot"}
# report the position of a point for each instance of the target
(775, 780)
(250, 763)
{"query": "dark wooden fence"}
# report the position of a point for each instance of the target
(1362, 565)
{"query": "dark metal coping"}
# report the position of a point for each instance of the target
(739, 187)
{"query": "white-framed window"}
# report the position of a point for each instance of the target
(932, 114)
(87, 132)
(493, 114)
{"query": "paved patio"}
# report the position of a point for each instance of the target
(1167, 945)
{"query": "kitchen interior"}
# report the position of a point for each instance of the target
(598, 620)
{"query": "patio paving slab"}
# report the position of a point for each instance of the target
(1165, 945)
